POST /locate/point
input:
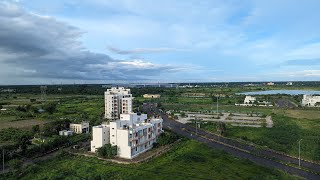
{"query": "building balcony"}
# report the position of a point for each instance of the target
(133, 138)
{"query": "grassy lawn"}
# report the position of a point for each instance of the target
(187, 160)
(308, 113)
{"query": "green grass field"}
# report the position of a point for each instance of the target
(290, 124)
(282, 137)
(187, 160)
(73, 107)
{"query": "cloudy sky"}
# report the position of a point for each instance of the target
(100, 41)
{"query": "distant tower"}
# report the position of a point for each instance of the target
(43, 92)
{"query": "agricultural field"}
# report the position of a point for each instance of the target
(186, 160)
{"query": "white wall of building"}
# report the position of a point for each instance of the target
(100, 136)
(310, 100)
(249, 99)
(80, 128)
(133, 118)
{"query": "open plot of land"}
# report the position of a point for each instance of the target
(308, 113)
(73, 107)
(28, 123)
(186, 160)
(252, 120)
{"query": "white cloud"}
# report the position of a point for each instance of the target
(36, 47)
(143, 50)
(255, 35)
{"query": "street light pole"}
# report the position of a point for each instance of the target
(196, 125)
(299, 154)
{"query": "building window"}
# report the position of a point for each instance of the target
(112, 135)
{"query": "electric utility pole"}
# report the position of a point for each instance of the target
(2, 160)
(299, 154)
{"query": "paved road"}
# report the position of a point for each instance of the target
(262, 157)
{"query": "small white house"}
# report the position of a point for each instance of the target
(310, 100)
(249, 100)
(151, 96)
(65, 133)
(83, 127)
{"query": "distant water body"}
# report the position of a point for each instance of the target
(271, 92)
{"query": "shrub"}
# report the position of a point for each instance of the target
(167, 138)
(15, 164)
(107, 151)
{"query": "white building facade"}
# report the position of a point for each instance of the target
(118, 100)
(249, 100)
(133, 134)
(100, 136)
(83, 127)
(310, 100)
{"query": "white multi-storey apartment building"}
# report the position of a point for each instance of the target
(133, 134)
(118, 100)
(310, 100)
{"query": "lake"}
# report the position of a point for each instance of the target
(271, 92)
